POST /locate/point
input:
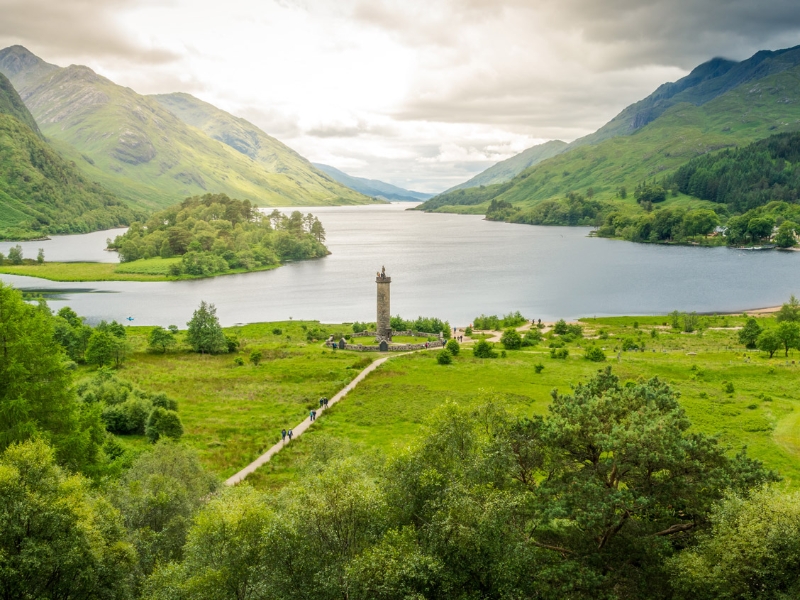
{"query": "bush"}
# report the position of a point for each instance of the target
(629, 344)
(231, 343)
(594, 354)
(538, 367)
(277, 331)
(559, 353)
(468, 331)
(560, 328)
(238, 361)
(532, 338)
(255, 357)
(163, 423)
(444, 357)
(511, 339)
(728, 388)
(491, 322)
(483, 349)
(162, 400)
(453, 347)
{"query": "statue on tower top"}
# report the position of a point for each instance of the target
(383, 272)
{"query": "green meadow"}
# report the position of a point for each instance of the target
(232, 413)
(151, 269)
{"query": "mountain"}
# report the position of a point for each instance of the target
(506, 170)
(40, 192)
(140, 150)
(701, 113)
(249, 140)
(373, 187)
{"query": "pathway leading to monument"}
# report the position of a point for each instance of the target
(298, 430)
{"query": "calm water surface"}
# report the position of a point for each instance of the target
(451, 266)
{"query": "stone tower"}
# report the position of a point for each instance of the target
(384, 326)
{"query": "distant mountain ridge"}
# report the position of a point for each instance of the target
(507, 169)
(720, 104)
(147, 154)
(373, 187)
(40, 192)
(703, 84)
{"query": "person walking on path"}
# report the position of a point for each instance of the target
(313, 415)
(283, 435)
(321, 400)
(325, 400)
(290, 435)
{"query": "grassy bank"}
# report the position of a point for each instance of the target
(153, 269)
(388, 410)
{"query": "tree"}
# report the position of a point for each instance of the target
(768, 341)
(106, 348)
(15, 255)
(748, 335)
(560, 327)
(789, 335)
(163, 423)
(161, 339)
(40, 256)
(751, 551)
(157, 497)
(785, 238)
(205, 333)
(790, 311)
(317, 230)
(700, 222)
(511, 339)
(36, 397)
(760, 227)
(58, 538)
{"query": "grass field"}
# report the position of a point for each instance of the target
(230, 413)
(389, 409)
(153, 269)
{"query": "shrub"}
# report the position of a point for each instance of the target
(560, 327)
(163, 423)
(603, 334)
(277, 331)
(594, 354)
(255, 357)
(162, 400)
(231, 343)
(444, 357)
(453, 347)
(559, 353)
(532, 337)
(468, 331)
(238, 361)
(558, 343)
(491, 322)
(484, 349)
(727, 387)
(511, 339)
(629, 344)
(538, 367)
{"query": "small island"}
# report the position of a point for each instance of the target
(203, 236)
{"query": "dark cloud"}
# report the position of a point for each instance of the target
(75, 29)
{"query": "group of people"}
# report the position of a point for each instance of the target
(312, 415)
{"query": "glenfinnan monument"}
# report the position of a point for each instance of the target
(384, 325)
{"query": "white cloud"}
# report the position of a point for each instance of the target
(423, 94)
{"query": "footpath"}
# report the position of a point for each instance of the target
(298, 430)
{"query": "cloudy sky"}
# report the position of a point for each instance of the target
(421, 93)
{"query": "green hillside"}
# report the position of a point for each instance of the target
(247, 139)
(742, 115)
(141, 151)
(40, 192)
(506, 170)
(12, 104)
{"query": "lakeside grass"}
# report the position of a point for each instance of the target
(232, 414)
(387, 411)
(152, 269)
